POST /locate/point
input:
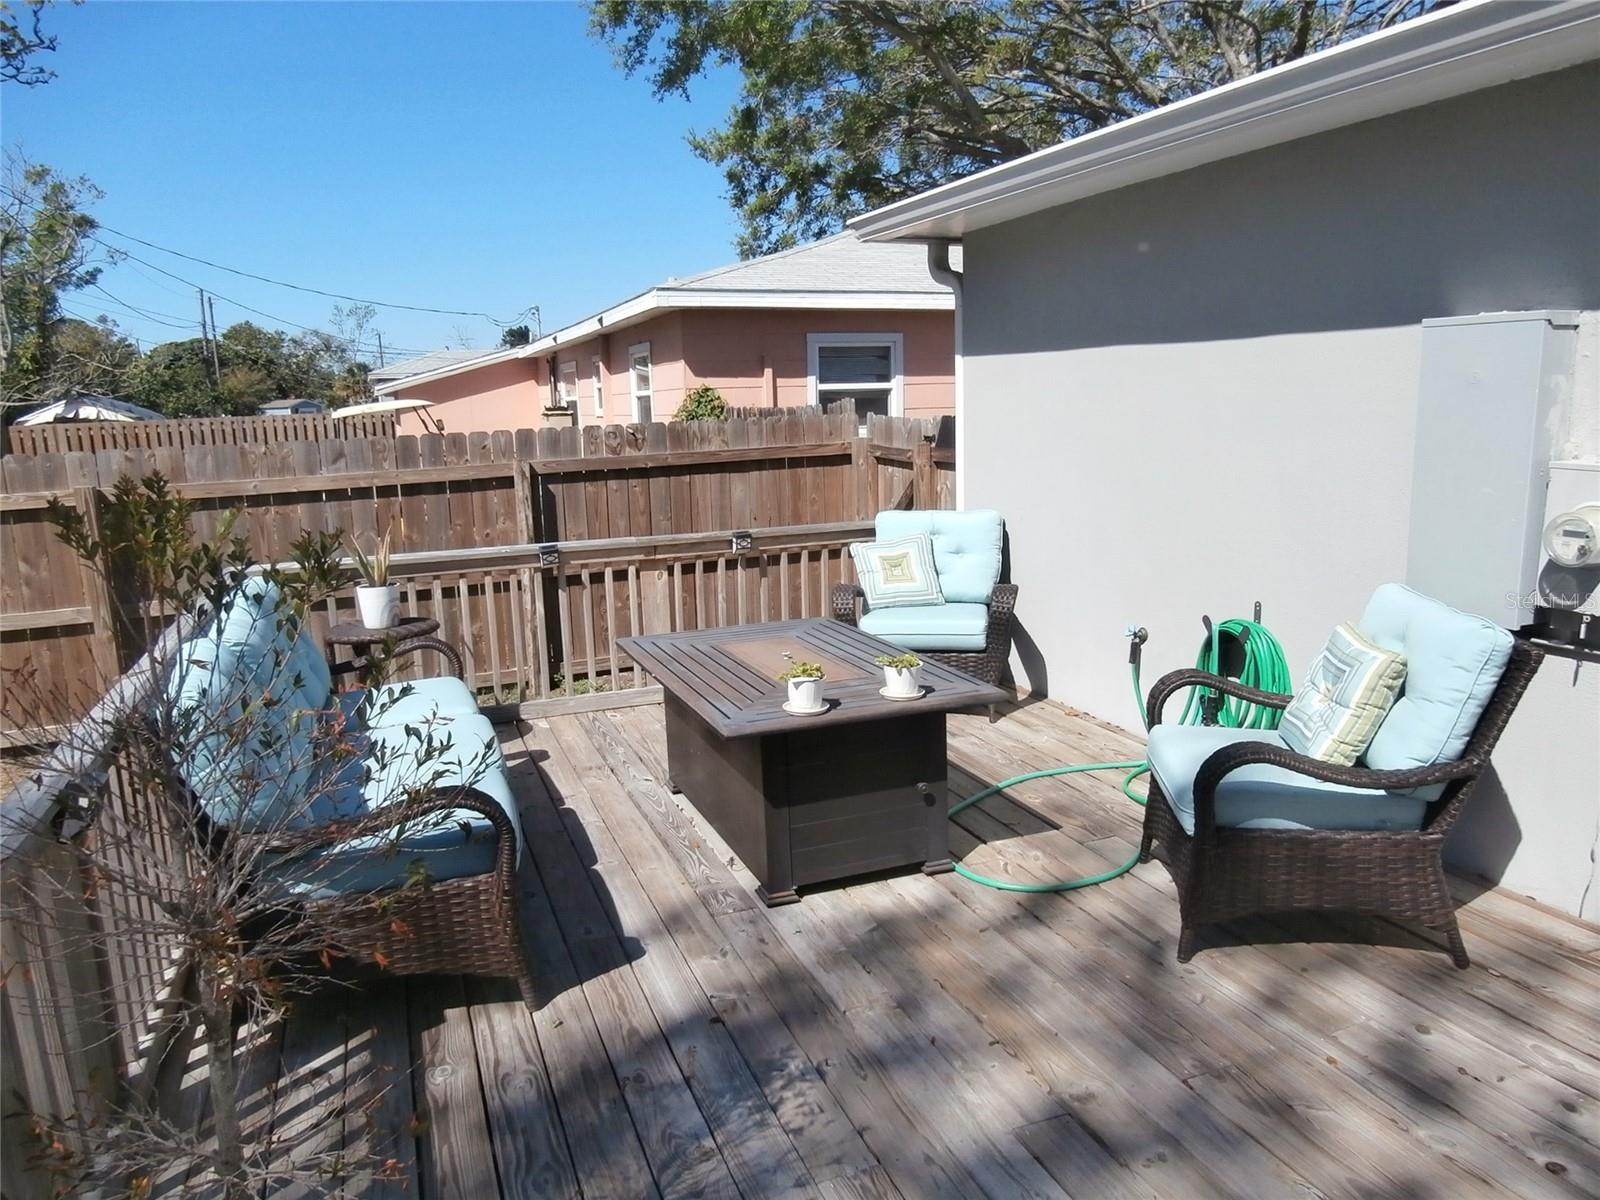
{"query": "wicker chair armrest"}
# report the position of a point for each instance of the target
(430, 804)
(444, 649)
(844, 597)
(1176, 681)
(1002, 602)
(1230, 758)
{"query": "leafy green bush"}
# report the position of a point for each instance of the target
(702, 404)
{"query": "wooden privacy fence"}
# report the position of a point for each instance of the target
(181, 433)
(436, 494)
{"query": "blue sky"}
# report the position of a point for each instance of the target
(477, 156)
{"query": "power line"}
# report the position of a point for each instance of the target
(447, 312)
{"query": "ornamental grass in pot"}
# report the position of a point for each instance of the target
(377, 598)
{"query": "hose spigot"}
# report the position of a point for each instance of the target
(1137, 636)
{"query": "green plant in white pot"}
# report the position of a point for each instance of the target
(900, 675)
(377, 598)
(805, 686)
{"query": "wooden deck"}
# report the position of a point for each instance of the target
(920, 1037)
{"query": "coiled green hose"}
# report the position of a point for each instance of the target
(1264, 667)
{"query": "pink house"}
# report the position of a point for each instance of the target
(834, 319)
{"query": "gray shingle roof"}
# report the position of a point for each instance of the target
(430, 361)
(841, 263)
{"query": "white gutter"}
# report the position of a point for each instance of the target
(449, 369)
(663, 300)
(1446, 53)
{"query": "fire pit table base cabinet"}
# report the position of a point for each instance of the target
(803, 799)
(817, 804)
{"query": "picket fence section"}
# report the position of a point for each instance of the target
(183, 433)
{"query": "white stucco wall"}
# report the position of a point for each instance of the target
(1199, 392)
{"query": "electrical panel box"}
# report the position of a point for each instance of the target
(1491, 403)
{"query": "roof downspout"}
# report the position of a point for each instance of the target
(940, 266)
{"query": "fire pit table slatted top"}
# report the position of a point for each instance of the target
(729, 676)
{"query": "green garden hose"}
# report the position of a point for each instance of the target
(1264, 668)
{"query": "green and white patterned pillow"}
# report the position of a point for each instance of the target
(897, 574)
(1350, 688)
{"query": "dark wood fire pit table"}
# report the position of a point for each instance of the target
(857, 788)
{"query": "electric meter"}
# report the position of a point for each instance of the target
(1572, 539)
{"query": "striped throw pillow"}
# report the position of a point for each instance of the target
(899, 573)
(1349, 690)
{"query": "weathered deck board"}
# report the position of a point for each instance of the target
(915, 1036)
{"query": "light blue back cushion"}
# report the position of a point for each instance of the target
(247, 695)
(1454, 660)
(966, 548)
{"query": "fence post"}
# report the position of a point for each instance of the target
(865, 471)
(924, 487)
(105, 643)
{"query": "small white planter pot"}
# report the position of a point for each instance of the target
(805, 694)
(902, 682)
(379, 607)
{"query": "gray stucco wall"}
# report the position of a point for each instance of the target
(1201, 391)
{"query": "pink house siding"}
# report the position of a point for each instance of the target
(734, 350)
(503, 395)
(756, 358)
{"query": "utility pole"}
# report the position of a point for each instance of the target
(380, 347)
(216, 367)
(205, 337)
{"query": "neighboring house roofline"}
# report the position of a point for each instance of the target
(718, 289)
(390, 386)
(672, 299)
(1477, 44)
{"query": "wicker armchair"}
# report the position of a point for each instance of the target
(969, 628)
(987, 664)
(1224, 873)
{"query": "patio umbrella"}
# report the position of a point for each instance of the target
(89, 408)
(379, 406)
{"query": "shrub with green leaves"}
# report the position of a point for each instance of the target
(704, 403)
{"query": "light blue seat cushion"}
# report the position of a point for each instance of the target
(930, 627)
(247, 695)
(1454, 661)
(450, 845)
(417, 702)
(1266, 797)
(966, 548)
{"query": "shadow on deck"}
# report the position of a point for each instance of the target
(915, 1036)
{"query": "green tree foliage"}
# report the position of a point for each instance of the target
(515, 335)
(849, 104)
(47, 248)
(703, 403)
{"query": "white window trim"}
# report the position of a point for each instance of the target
(634, 351)
(565, 399)
(897, 358)
(597, 374)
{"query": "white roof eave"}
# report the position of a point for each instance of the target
(1447, 53)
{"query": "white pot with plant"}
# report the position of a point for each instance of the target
(377, 599)
(805, 687)
(900, 681)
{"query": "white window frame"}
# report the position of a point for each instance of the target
(567, 399)
(635, 351)
(598, 375)
(820, 393)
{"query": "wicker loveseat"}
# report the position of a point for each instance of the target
(971, 630)
(385, 815)
(1248, 826)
